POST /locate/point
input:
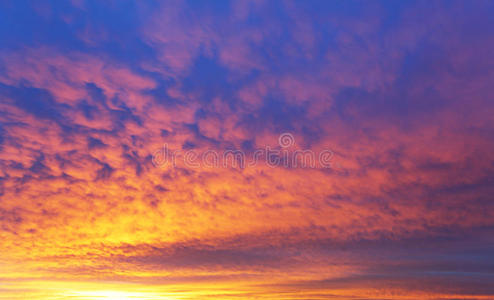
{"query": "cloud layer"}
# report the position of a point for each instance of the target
(401, 93)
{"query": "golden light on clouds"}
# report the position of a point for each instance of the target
(112, 295)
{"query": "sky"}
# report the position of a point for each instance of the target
(246, 150)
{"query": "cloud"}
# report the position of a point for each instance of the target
(400, 93)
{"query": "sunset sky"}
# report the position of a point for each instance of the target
(379, 116)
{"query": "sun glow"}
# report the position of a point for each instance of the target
(112, 295)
